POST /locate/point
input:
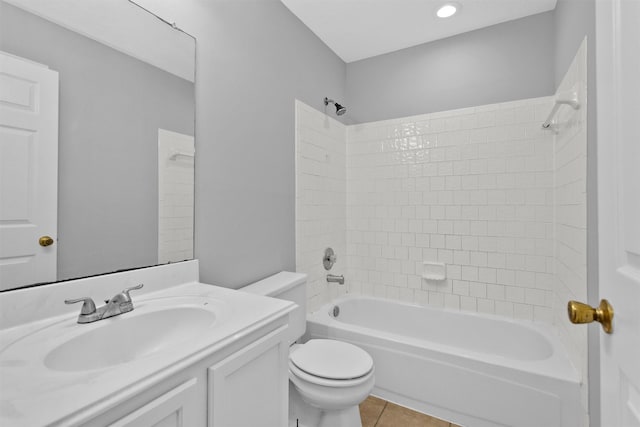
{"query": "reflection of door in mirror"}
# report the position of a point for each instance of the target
(175, 196)
(28, 172)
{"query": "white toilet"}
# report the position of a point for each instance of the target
(330, 377)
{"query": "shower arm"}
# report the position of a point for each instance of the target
(340, 109)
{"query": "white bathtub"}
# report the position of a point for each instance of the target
(472, 369)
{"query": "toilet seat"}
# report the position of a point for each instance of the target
(303, 376)
(331, 360)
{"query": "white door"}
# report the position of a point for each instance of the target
(28, 172)
(618, 93)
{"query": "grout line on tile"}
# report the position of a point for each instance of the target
(381, 412)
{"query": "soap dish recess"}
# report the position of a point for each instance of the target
(434, 270)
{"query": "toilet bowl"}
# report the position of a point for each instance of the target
(330, 377)
(334, 377)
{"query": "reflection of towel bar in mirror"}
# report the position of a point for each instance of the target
(566, 98)
(181, 155)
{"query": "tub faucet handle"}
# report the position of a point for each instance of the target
(329, 259)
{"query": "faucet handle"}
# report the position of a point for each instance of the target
(89, 307)
(329, 258)
(133, 288)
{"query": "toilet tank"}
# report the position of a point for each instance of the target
(287, 286)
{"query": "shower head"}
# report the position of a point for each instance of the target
(340, 110)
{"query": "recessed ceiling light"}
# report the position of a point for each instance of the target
(447, 10)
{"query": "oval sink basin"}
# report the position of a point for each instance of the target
(130, 336)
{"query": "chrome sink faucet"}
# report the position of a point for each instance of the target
(120, 303)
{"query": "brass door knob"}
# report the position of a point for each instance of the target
(584, 313)
(45, 241)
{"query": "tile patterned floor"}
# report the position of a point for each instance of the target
(376, 412)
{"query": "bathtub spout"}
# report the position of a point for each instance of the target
(335, 279)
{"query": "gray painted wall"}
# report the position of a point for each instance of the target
(503, 62)
(254, 58)
(575, 20)
(108, 138)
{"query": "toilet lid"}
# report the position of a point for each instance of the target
(332, 359)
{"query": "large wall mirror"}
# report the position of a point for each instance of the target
(112, 87)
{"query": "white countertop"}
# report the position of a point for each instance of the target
(31, 394)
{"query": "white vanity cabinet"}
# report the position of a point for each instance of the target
(176, 408)
(242, 386)
(189, 355)
(250, 387)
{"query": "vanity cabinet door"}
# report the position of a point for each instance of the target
(251, 387)
(176, 408)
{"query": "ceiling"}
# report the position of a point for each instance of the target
(358, 29)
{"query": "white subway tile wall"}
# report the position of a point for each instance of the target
(571, 214)
(484, 190)
(320, 201)
(472, 188)
(175, 196)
